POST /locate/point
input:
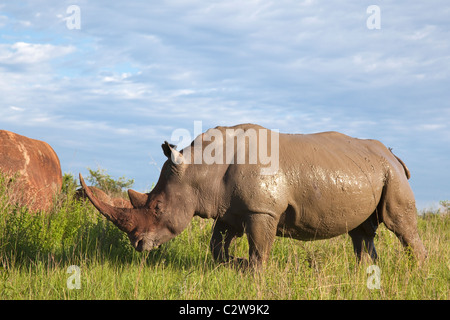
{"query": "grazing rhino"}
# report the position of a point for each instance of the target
(325, 185)
(38, 168)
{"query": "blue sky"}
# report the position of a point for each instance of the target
(108, 94)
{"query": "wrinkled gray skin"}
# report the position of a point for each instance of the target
(327, 184)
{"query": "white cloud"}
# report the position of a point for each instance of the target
(116, 77)
(431, 126)
(422, 33)
(25, 23)
(14, 108)
(30, 53)
(3, 20)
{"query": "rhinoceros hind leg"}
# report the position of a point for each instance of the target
(399, 214)
(406, 232)
(361, 237)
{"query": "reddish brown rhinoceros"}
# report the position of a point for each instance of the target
(317, 186)
(37, 168)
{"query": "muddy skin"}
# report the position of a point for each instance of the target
(36, 168)
(325, 185)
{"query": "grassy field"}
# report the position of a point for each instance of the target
(36, 251)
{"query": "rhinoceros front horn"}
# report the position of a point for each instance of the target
(121, 217)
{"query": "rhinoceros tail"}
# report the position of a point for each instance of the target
(407, 173)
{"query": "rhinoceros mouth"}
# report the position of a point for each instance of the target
(146, 245)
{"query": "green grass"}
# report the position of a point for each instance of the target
(37, 249)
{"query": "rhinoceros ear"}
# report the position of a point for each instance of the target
(170, 152)
(167, 148)
(137, 199)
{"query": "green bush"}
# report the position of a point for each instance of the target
(100, 179)
(72, 226)
(446, 205)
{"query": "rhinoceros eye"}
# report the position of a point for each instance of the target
(158, 208)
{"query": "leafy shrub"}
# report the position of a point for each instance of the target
(115, 187)
(71, 228)
(446, 205)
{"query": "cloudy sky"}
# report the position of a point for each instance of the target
(111, 91)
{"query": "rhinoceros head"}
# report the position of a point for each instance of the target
(158, 216)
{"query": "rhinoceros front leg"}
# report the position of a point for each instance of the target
(261, 230)
(220, 241)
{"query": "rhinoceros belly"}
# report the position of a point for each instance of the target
(321, 213)
(328, 205)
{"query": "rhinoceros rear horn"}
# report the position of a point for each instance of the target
(121, 217)
(137, 199)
